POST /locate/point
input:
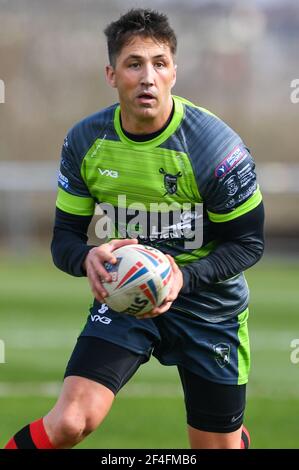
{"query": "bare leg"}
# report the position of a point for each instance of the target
(214, 440)
(81, 407)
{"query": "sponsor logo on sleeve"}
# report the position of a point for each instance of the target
(232, 185)
(246, 194)
(63, 180)
(230, 203)
(246, 175)
(230, 161)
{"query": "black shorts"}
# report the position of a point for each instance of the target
(210, 406)
(216, 351)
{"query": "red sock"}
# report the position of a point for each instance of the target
(32, 436)
(11, 444)
(245, 438)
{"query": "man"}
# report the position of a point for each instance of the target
(153, 147)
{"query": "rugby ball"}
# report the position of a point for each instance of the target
(140, 279)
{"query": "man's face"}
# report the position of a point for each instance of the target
(144, 75)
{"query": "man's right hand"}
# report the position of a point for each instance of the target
(94, 265)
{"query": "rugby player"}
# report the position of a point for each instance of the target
(154, 147)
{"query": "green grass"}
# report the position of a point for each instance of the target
(43, 310)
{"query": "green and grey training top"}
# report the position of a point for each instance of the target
(198, 167)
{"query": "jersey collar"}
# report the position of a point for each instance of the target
(170, 129)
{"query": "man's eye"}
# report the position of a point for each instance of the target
(159, 65)
(135, 65)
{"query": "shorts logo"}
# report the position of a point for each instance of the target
(236, 418)
(101, 318)
(222, 354)
(103, 309)
(230, 161)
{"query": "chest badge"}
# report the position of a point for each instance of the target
(170, 181)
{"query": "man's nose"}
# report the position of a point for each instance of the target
(147, 77)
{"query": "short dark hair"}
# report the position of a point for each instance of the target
(138, 22)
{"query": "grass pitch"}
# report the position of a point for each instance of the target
(43, 311)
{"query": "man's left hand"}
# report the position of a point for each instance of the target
(176, 285)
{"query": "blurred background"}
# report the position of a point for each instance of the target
(239, 59)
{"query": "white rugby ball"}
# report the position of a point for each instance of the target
(140, 279)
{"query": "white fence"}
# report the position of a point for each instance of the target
(27, 194)
(32, 176)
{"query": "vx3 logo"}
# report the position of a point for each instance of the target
(111, 173)
(102, 318)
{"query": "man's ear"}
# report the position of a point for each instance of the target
(174, 76)
(110, 75)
